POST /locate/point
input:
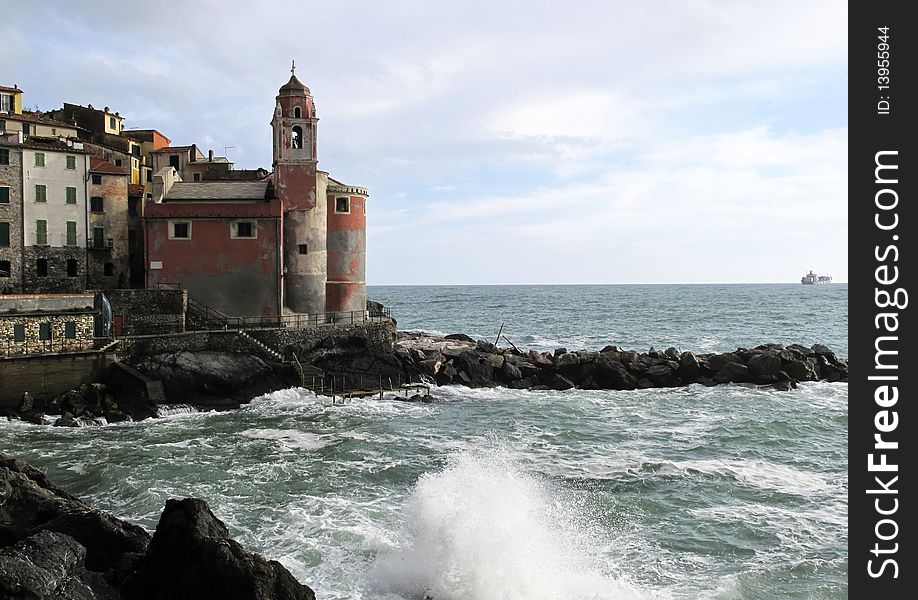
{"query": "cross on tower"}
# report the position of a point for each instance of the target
(292, 66)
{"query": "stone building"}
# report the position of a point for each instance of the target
(108, 264)
(14, 119)
(292, 244)
(54, 175)
(10, 213)
(44, 324)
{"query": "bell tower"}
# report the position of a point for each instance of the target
(304, 205)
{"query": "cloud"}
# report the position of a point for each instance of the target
(589, 132)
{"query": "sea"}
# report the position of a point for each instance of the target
(728, 492)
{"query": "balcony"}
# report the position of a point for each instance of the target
(101, 244)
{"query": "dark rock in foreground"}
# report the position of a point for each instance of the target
(54, 546)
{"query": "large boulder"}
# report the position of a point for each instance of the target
(192, 556)
(764, 367)
(47, 566)
(195, 376)
(473, 370)
(30, 503)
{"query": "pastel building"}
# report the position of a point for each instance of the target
(291, 243)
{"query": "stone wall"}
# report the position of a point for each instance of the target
(113, 220)
(133, 349)
(46, 377)
(11, 214)
(380, 335)
(83, 333)
(149, 312)
(56, 281)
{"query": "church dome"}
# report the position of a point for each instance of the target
(294, 87)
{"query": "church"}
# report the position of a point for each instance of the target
(292, 242)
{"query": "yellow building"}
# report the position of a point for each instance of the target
(13, 118)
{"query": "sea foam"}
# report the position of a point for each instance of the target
(482, 528)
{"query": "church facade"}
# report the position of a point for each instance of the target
(293, 242)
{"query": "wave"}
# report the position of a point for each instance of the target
(288, 439)
(761, 474)
(482, 528)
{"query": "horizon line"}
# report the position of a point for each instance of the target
(597, 284)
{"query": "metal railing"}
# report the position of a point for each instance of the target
(202, 317)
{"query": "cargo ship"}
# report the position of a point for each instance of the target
(814, 279)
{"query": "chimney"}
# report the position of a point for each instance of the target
(210, 155)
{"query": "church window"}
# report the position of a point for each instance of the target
(296, 112)
(343, 205)
(297, 138)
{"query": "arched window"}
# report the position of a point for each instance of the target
(297, 138)
(296, 112)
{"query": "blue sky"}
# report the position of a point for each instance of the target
(503, 142)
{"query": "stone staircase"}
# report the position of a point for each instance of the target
(261, 346)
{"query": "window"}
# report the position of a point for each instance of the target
(6, 268)
(39, 158)
(4, 154)
(98, 237)
(71, 267)
(117, 162)
(41, 192)
(111, 123)
(174, 161)
(4, 195)
(180, 230)
(71, 161)
(97, 180)
(44, 331)
(343, 206)
(296, 138)
(135, 150)
(132, 207)
(70, 330)
(303, 248)
(242, 229)
(2, 126)
(150, 175)
(71, 195)
(41, 267)
(6, 103)
(41, 232)
(4, 235)
(196, 177)
(97, 204)
(19, 332)
(296, 112)
(71, 233)
(26, 129)
(108, 269)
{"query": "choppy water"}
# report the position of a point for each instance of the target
(726, 492)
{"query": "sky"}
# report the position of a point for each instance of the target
(689, 141)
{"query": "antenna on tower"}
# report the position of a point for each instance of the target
(292, 66)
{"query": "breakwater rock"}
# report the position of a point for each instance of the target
(54, 546)
(458, 359)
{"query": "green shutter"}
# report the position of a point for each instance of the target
(41, 232)
(71, 162)
(71, 195)
(39, 159)
(71, 233)
(41, 193)
(4, 235)
(4, 195)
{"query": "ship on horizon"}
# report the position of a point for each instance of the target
(812, 278)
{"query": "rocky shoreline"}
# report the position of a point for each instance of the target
(214, 380)
(54, 546)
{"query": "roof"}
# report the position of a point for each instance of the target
(37, 117)
(174, 148)
(135, 189)
(3, 88)
(293, 87)
(218, 190)
(35, 142)
(97, 164)
(336, 186)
